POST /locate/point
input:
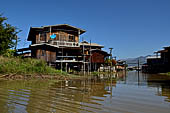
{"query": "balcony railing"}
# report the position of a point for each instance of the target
(68, 61)
(63, 43)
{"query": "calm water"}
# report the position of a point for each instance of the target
(130, 93)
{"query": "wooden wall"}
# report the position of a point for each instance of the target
(63, 36)
(48, 56)
(97, 58)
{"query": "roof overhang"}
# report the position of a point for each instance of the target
(161, 51)
(168, 47)
(60, 27)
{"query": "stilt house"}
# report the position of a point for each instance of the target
(60, 47)
(159, 63)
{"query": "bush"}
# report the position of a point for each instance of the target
(25, 66)
(9, 53)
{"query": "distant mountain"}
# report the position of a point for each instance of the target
(134, 61)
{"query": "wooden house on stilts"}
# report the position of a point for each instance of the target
(60, 47)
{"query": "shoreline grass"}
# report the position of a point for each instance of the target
(168, 74)
(29, 68)
(21, 66)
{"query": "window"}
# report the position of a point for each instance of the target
(71, 38)
(42, 36)
(62, 37)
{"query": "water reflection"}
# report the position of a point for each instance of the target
(121, 92)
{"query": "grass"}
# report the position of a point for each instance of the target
(168, 73)
(26, 66)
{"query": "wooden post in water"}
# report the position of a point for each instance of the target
(125, 66)
(111, 85)
(111, 59)
(138, 72)
(138, 65)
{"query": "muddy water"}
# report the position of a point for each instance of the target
(124, 93)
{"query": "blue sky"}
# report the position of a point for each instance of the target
(132, 27)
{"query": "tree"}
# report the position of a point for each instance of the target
(8, 35)
(109, 62)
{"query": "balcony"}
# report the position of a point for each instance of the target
(62, 43)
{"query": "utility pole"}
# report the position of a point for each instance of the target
(111, 59)
(115, 64)
(62, 60)
(90, 56)
(125, 65)
(138, 66)
(138, 71)
(83, 59)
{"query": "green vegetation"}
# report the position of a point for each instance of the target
(26, 66)
(9, 53)
(95, 73)
(168, 73)
(8, 35)
(16, 65)
(109, 62)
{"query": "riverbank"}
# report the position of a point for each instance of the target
(17, 68)
(39, 76)
(28, 68)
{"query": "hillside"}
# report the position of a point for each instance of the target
(134, 61)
